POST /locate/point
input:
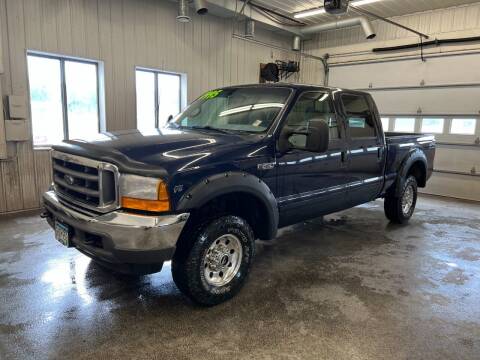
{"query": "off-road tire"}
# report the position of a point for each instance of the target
(394, 205)
(188, 262)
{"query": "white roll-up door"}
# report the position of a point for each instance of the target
(446, 87)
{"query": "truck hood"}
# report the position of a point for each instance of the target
(161, 152)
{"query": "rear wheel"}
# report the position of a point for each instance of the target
(399, 209)
(211, 265)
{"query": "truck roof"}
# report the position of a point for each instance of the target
(291, 86)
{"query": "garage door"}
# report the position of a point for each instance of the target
(441, 95)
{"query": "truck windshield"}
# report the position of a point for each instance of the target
(234, 109)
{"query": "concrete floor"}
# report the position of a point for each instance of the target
(353, 288)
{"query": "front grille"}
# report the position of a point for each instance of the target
(85, 182)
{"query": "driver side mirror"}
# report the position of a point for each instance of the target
(317, 137)
(170, 118)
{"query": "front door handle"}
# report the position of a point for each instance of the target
(380, 153)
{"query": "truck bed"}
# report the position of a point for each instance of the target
(399, 145)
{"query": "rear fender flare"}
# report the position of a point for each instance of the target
(411, 158)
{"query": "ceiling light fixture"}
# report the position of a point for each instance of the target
(321, 10)
(310, 12)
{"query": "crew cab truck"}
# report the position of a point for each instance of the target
(236, 165)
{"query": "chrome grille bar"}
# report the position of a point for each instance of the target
(84, 182)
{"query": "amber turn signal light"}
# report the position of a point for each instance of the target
(160, 205)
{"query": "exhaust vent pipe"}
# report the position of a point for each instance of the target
(183, 11)
(340, 24)
(200, 7)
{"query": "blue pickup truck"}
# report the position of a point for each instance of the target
(236, 165)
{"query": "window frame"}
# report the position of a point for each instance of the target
(331, 101)
(182, 91)
(463, 118)
(422, 121)
(99, 67)
(400, 117)
(387, 118)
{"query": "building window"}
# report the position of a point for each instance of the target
(463, 126)
(64, 98)
(404, 125)
(432, 125)
(159, 96)
(385, 123)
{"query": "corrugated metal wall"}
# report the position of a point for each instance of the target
(123, 34)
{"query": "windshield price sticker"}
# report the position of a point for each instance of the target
(211, 94)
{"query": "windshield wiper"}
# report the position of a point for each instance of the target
(223, 131)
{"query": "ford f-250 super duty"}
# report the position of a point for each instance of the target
(236, 165)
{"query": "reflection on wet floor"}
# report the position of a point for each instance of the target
(349, 286)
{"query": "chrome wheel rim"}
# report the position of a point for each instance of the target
(407, 200)
(222, 260)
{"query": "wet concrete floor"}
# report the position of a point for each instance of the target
(354, 287)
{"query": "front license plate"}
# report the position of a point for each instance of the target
(62, 233)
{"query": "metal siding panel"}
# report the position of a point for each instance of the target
(92, 29)
(117, 121)
(49, 26)
(64, 27)
(106, 54)
(79, 41)
(26, 171)
(43, 171)
(33, 26)
(151, 32)
(23, 185)
(134, 38)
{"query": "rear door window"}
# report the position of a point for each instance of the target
(360, 120)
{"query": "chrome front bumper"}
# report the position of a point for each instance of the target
(118, 237)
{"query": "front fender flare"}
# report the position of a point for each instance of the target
(232, 182)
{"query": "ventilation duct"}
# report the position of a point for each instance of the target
(200, 7)
(249, 28)
(339, 24)
(183, 11)
(297, 43)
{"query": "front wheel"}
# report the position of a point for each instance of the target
(211, 265)
(400, 209)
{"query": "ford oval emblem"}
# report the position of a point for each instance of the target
(69, 179)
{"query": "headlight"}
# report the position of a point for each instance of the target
(144, 193)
